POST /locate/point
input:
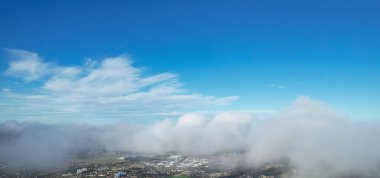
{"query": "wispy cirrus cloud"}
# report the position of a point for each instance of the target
(27, 66)
(278, 86)
(108, 88)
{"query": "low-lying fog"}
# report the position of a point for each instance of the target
(317, 141)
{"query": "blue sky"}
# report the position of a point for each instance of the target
(260, 55)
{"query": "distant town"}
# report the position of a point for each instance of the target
(168, 165)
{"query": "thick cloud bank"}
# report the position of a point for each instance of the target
(317, 141)
(314, 139)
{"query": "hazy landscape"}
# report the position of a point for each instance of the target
(307, 139)
(258, 89)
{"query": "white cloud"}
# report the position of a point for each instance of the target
(5, 90)
(314, 139)
(112, 87)
(26, 65)
(113, 77)
(278, 86)
(317, 141)
(192, 133)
